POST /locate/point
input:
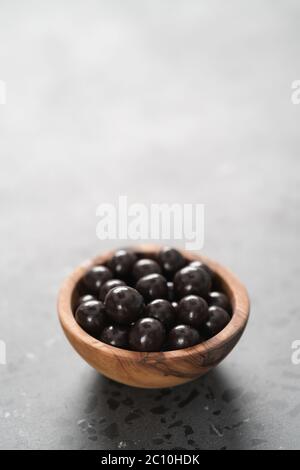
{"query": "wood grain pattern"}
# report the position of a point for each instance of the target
(159, 369)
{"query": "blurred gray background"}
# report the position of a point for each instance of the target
(162, 101)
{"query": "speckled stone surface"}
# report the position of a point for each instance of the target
(162, 102)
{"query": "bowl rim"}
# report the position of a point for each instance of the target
(233, 287)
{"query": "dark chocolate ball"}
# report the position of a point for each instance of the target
(115, 335)
(108, 285)
(153, 286)
(95, 277)
(219, 299)
(147, 334)
(218, 318)
(171, 292)
(193, 311)
(122, 262)
(183, 336)
(124, 305)
(163, 311)
(145, 266)
(91, 317)
(191, 280)
(199, 264)
(171, 260)
(85, 298)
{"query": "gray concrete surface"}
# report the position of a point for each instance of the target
(166, 102)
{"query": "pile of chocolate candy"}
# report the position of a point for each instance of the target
(151, 303)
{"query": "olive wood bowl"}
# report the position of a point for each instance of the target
(155, 369)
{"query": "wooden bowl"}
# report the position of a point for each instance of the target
(155, 369)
